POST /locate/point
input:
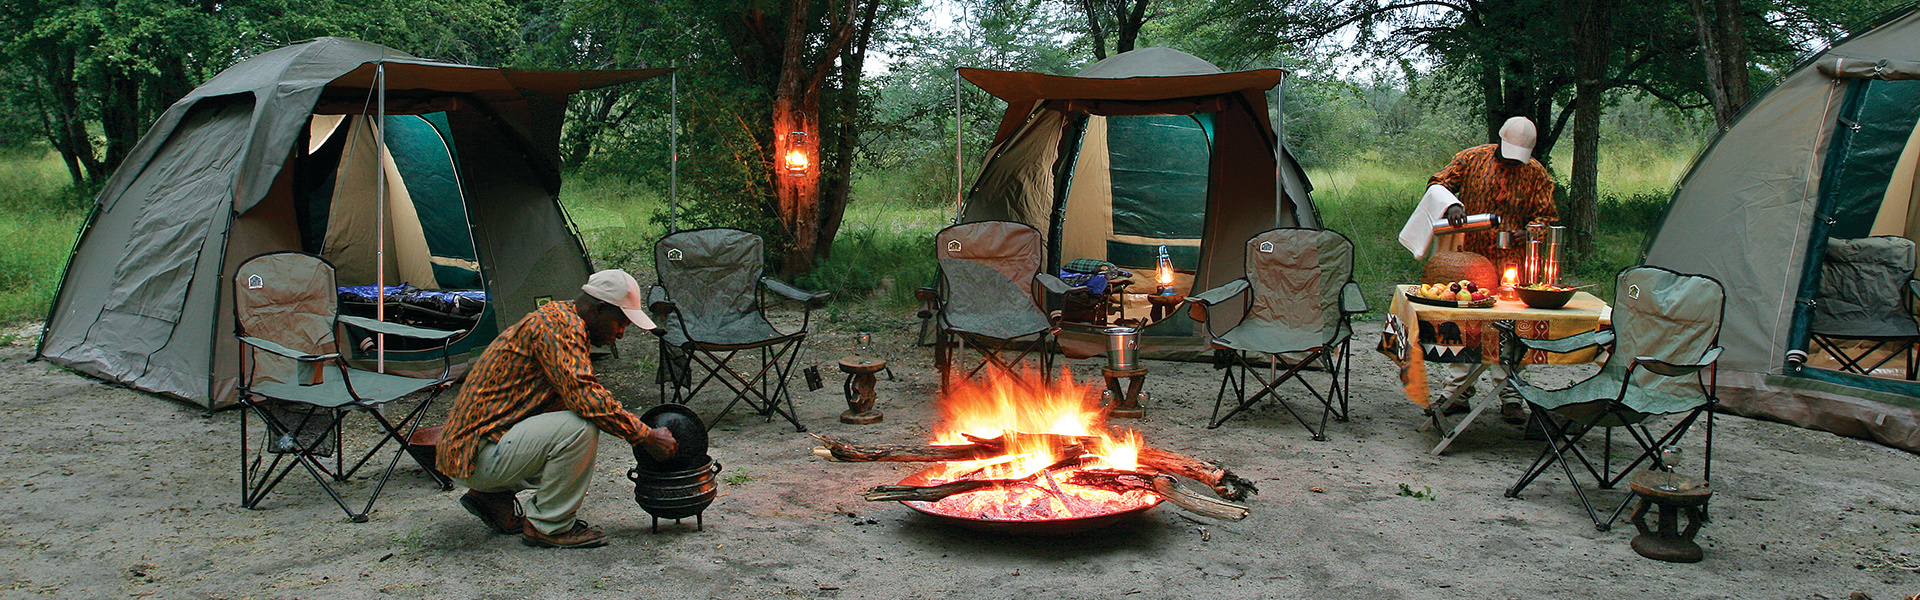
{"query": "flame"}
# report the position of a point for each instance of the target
(1007, 406)
(1165, 276)
(1511, 277)
(797, 160)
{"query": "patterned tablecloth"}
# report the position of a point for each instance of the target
(1466, 335)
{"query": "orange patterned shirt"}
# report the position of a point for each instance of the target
(1518, 193)
(537, 366)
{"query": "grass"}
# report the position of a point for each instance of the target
(881, 255)
(40, 215)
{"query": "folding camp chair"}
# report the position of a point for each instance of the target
(709, 301)
(1865, 303)
(1301, 302)
(1664, 343)
(295, 380)
(986, 298)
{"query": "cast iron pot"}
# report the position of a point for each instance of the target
(675, 494)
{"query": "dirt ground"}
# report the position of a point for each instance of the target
(121, 494)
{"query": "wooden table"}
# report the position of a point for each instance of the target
(1416, 334)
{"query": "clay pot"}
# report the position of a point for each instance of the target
(1449, 267)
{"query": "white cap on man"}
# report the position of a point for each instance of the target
(616, 287)
(1517, 136)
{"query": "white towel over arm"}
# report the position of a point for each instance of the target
(1417, 234)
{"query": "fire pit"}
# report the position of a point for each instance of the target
(1054, 517)
(1031, 456)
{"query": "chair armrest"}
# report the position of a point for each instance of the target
(390, 328)
(1351, 300)
(1220, 294)
(1055, 285)
(658, 303)
(1578, 341)
(270, 346)
(793, 293)
(1913, 291)
(1668, 369)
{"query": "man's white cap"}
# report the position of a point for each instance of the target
(1516, 139)
(616, 287)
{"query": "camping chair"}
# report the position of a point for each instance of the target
(1866, 297)
(1664, 343)
(1301, 299)
(709, 301)
(295, 380)
(986, 298)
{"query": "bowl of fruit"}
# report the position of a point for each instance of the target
(1542, 295)
(1462, 294)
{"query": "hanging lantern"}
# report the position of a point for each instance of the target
(797, 160)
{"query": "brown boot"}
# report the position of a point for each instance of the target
(580, 535)
(497, 509)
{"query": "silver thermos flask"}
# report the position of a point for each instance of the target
(1471, 223)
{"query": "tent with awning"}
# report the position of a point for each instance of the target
(436, 180)
(1149, 148)
(1830, 153)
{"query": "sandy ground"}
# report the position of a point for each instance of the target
(121, 494)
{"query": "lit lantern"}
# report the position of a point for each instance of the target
(797, 162)
(1163, 274)
(1509, 279)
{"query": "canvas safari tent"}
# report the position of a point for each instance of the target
(1143, 149)
(285, 151)
(1830, 152)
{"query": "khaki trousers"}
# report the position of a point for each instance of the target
(551, 454)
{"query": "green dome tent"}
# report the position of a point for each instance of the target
(1830, 152)
(283, 152)
(1148, 148)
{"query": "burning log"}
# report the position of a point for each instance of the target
(1115, 481)
(1224, 483)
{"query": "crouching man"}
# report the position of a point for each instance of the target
(530, 415)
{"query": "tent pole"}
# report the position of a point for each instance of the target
(380, 215)
(959, 169)
(673, 149)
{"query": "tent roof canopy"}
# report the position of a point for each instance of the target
(1146, 74)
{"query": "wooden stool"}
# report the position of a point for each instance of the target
(1163, 306)
(1674, 494)
(860, 372)
(1124, 405)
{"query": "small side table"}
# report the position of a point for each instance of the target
(1124, 405)
(860, 372)
(1674, 494)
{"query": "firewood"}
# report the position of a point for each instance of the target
(1166, 487)
(1222, 480)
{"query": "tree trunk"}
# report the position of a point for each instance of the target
(1130, 21)
(65, 129)
(1723, 47)
(838, 168)
(119, 119)
(796, 129)
(1590, 63)
(1092, 10)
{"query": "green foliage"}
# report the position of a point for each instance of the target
(40, 214)
(884, 246)
(738, 477)
(1424, 493)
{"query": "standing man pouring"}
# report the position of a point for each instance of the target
(531, 412)
(1502, 179)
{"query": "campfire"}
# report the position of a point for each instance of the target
(1029, 450)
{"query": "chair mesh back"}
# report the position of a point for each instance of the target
(287, 298)
(713, 276)
(1862, 283)
(1666, 316)
(1297, 275)
(1013, 249)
